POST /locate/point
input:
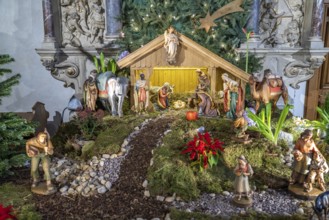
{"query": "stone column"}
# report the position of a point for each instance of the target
(317, 16)
(48, 22)
(113, 25)
(253, 25)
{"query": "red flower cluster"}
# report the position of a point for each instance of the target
(5, 212)
(204, 150)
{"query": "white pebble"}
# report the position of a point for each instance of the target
(160, 198)
(145, 183)
(101, 190)
(147, 193)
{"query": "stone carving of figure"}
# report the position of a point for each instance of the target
(39, 148)
(233, 95)
(83, 10)
(206, 106)
(171, 44)
(303, 154)
(242, 172)
(72, 19)
(292, 34)
(91, 91)
(97, 21)
(141, 94)
(268, 24)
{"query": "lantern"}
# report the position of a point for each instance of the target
(191, 115)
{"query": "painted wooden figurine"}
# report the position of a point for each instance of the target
(303, 153)
(242, 172)
(206, 106)
(38, 149)
(266, 88)
(318, 168)
(233, 97)
(90, 91)
(308, 168)
(163, 96)
(141, 94)
(171, 44)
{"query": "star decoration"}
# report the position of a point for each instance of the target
(231, 7)
(207, 22)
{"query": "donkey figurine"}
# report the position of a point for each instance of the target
(112, 91)
(321, 205)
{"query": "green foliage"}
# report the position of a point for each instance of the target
(326, 104)
(253, 152)
(323, 122)
(145, 20)
(89, 123)
(65, 132)
(13, 130)
(170, 175)
(20, 198)
(87, 150)
(178, 214)
(109, 141)
(263, 121)
(7, 84)
(172, 172)
(101, 65)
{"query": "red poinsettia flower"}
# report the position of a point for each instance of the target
(5, 212)
(204, 150)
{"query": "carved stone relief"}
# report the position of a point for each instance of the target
(83, 22)
(281, 23)
(302, 70)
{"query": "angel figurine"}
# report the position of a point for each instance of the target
(171, 43)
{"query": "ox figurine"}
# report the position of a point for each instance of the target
(112, 90)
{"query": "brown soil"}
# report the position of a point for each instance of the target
(126, 198)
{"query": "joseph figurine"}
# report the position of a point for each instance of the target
(39, 148)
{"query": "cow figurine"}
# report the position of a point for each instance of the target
(321, 205)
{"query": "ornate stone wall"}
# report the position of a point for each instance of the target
(83, 28)
(289, 41)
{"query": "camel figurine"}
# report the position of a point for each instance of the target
(268, 88)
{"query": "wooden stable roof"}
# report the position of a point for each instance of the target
(206, 54)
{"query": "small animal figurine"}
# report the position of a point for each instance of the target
(321, 204)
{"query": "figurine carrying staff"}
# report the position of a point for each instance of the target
(39, 148)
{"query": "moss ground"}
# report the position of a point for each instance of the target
(172, 172)
(20, 197)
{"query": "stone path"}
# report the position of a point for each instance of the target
(125, 198)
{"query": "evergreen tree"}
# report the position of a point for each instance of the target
(13, 128)
(144, 20)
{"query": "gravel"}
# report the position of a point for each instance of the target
(271, 202)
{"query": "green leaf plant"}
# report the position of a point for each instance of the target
(263, 122)
(101, 65)
(323, 122)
